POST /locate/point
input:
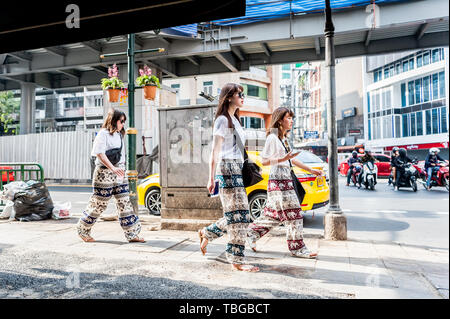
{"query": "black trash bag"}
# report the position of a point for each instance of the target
(33, 203)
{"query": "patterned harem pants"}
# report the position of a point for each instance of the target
(105, 186)
(235, 208)
(282, 206)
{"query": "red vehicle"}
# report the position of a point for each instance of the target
(5, 176)
(439, 178)
(383, 165)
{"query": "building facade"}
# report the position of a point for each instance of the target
(406, 101)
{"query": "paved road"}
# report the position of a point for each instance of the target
(419, 219)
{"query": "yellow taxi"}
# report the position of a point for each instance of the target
(316, 188)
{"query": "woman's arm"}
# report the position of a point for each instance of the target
(104, 159)
(217, 146)
(275, 161)
(306, 168)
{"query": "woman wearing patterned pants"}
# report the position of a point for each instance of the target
(109, 180)
(282, 205)
(229, 173)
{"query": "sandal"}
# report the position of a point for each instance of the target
(202, 246)
(87, 239)
(247, 268)
(304, 253)
(137, 240)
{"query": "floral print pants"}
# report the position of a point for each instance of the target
(282, 206)
(105, 186)
(235, 208)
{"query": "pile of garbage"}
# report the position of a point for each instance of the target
(31, 201)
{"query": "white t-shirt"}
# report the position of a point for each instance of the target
(274, 149)
(229, 150)
(104, 141)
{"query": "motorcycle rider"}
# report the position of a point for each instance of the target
(431, 164)
(367, 157)
(394, 154)
(351, 164)
(402, 158)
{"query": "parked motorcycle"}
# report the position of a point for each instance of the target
(439, 177)
(369, 175)
(409, 176)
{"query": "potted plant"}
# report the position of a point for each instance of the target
(113, 84)
(149, 82)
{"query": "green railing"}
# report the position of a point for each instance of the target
(10, 172)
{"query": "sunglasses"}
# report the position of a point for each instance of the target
(241, 95)
(122, 121)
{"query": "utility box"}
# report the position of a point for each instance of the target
(185, 142)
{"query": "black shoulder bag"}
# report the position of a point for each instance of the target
(114, 154)
(299, 190)
(251, 172)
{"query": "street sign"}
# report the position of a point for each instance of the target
(354, 131)
(349, 112)
(311, 134)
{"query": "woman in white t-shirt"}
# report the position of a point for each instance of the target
(226, 164)
(109, 180)
(283, 205)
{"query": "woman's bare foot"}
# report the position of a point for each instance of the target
(137, 240)
(203, 242)
(88, 239)
(248, 268)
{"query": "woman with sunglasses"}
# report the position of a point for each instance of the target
(225, 165)
(109, 180)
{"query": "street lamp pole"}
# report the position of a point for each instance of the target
(335, 222)
(131, 131)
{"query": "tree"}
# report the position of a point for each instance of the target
(9, 106)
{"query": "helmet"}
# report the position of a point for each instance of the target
(402, 152)
(394, 149)
(354, 154)
(434, 151)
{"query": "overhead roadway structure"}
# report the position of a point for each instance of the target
(232, 47)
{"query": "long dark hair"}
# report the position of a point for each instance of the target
(277, 116)
(111, 119)
(226, 93)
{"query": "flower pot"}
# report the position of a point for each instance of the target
(150, 92)
(113, 95)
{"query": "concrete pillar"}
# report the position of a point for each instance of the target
(334, 220)
(27, 108)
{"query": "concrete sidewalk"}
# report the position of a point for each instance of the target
(45, 260)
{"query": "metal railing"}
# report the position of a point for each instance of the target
(13, 172)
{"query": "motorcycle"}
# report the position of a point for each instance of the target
(408, 177)
(369, 175)
(416, 165)
(356, 171)
(439, 177)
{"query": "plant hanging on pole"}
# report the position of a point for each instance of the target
(148, 81)
(113, 84)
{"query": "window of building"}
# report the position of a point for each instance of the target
(405, 125)
(405, 66)
(368, 102)
(398, 69)
(419, 123)
(398, 127)
(369, 130)
(377, 101)
(419, 60)
(175, 86)
(403, 93)
(208, 87)
(387, 127)
(441, 85)
(426, 88)
(426, 58)
(252, 122)
(418, 91)
(391, 70)
(413, 124)
(444, 128)
(286, 67)
(435, 120)
(411, 64)
(428, 121)
(435, 84)
(411, 92)
(286, 76)
(386, 72)
(435, 55)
